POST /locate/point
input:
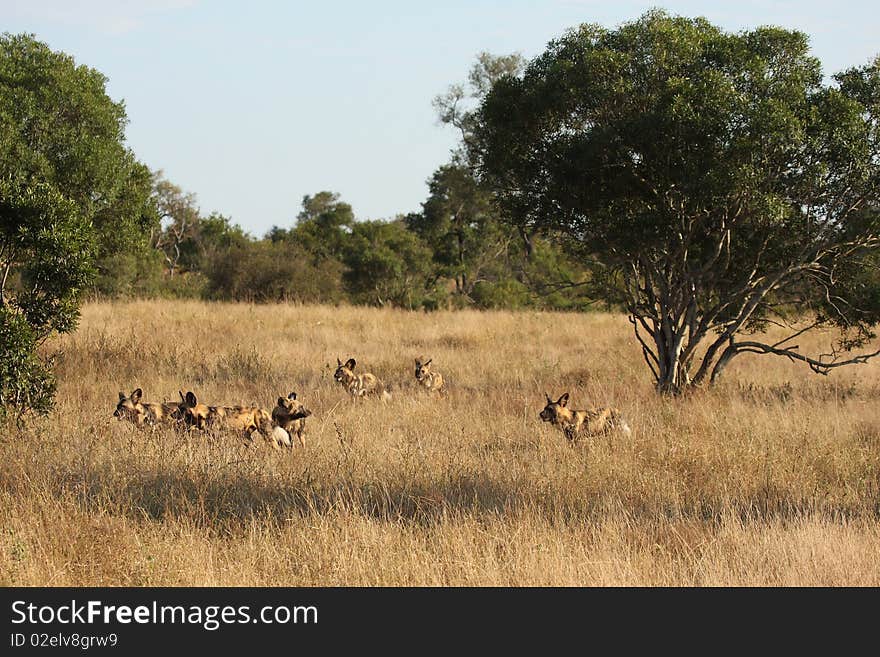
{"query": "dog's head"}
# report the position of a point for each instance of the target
(554, 409)
(289, 408)
(344, 371)
(130, 408)
(423, 369)
(191, 411)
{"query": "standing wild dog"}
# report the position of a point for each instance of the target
(131, 408)
(359, 385)
(427, 378)
(575, 424)
(242, 419)
(290, 415)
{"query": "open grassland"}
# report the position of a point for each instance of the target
(771, 479)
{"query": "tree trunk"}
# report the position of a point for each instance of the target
(673, 376)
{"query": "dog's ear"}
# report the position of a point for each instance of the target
(563, 400)
(136, 395)
(182, 396)
(428, 362)
(338, 362)
(282, 402)
(350, 363)
(418, 362)
(190, 398)
(292, 395)
(121, 396)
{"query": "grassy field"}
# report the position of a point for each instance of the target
(771, 479)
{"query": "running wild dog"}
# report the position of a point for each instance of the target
(427, 378)
(359, 385)
(290, 415)
(575, 424)
(243, 419)
(132, 409)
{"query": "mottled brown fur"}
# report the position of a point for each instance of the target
(240, 419)
(589, 422)
(427, 377)
(359, 385)
(290, 415)
(141, 413)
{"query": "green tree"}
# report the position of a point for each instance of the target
(323, 225)
(46, 259)
(215, 235)
(493, 263)
(69, 191)
(387, 264)
(269, 272)
(179, 220)
(456, 106)
(59, 127)
(136, 272)
(459, 222)
(277, 234)
(712, 178)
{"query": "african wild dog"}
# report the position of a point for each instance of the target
(290, 415)
(242, 419)
(359, 385)
(575, 424)
(427, 378)
(131, 408)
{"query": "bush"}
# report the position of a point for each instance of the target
(26, 381)
(268, 271)
(136, 274)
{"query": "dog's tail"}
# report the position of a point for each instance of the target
(280, 438)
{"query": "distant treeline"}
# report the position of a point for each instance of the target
(455, 253)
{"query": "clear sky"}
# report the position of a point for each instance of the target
(253, 104)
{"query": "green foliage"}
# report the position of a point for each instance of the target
(210, 238)
(503, 293)
(26, 380)
(59, 127)
(136, 273)
(457, 220)
(70, 192)
(46, 255)
(176, 237)
(45, 242)
(323, 225)
(491, 262)
(386, 263)
(455, 107)
(555, 279)
(710, 177)
(267, 271)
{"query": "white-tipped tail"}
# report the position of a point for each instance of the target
(280, 437)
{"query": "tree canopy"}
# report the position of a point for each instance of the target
(70, 192)
(713, 180)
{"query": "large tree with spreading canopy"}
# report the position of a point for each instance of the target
(714, 180)
(70, 194)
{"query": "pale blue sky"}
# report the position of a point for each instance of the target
(251, 105)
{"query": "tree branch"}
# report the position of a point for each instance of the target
(818, 366)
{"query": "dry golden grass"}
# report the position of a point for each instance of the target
(771, 479)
